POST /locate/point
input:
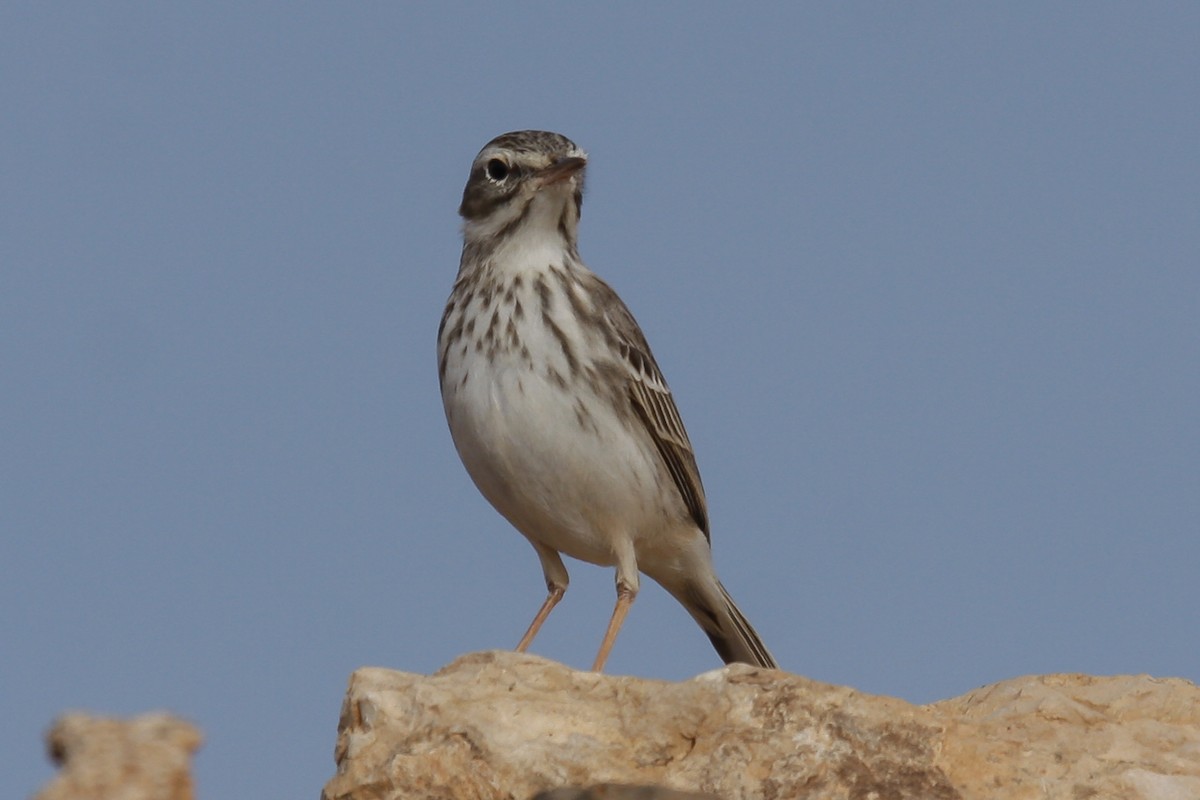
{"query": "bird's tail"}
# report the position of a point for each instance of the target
(731, 634)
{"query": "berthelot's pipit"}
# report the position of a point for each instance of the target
(556, 405)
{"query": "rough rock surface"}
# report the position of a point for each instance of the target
(146, 758)
(616, 791)
(503, 725)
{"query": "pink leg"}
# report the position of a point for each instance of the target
(625, 597)
(556, 594)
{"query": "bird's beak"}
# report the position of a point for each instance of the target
(561, 170)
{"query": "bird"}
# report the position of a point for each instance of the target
(557, 407)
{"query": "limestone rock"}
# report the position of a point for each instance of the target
(146, 758)
(616, 791)
(503, 725)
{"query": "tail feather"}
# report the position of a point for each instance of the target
(731, 634)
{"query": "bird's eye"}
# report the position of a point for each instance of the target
(497, 170)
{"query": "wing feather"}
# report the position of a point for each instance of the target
(655, 407)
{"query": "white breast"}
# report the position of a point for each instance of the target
(556, 460)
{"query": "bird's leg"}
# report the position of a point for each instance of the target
(625, 597)
(627, 589)
(556, 584)
(556, 594)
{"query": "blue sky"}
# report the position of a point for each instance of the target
(925, 281)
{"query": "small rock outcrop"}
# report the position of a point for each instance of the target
(145, 758)
(502, 725)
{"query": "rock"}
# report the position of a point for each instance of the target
(505, 725)
(146, 758)
(616, 791)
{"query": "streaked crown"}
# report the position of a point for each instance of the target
(515, 166)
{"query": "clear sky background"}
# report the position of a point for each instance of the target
(925, 281)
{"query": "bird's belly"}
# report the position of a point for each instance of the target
(557, 462)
